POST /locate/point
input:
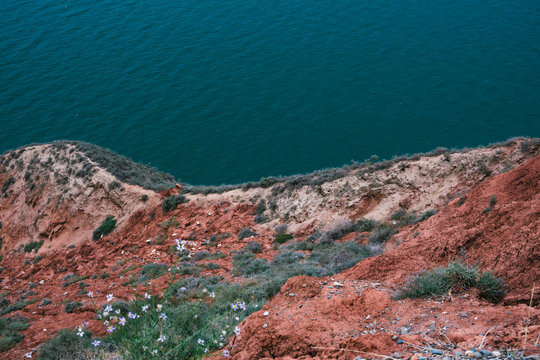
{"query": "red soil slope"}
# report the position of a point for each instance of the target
(354, 313)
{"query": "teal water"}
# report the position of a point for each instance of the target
(232, 90)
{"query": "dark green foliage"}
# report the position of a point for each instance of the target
(253, 246)
(62, 346)
(492, 288)
(261, 207)
(114, 185)
(38, 259)
(492, 202)
(212, 266)
(282, 238)
(188, 268)
(144, 198)
(19, 305)
(455, 276)
(9, 331)
(245, 233)
(153, 271)
(7, 184)
(72, 306)
(33, 246)
(364, 225)
(382, 234)
(204, 255)
(245, 263)
(106, 227)
(45, 302)
(462, 200)
(172, 202)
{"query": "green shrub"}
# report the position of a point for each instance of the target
(154, 270)
(492, 203)
(462, 200)
(253, 246)
(245, 233)
(456, 275)
(72, 306)
(7, 184)
(382, 234)
(62, 346)
(106, 227)
(9, 331)
(172, 202)
(212, 266)
(37, 259)
(492, 288)
(33, 246)
(144, 198)
(245, 263)
(282, 238)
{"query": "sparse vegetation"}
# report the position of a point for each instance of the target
(63, 345)
(492, 203)
(33, 246)
(455, 276)
(106, 227)
(7, 184)
(283, 238)
(171, 222)
(245, 233)
(9, 331)
(172, 202)
(72, 306)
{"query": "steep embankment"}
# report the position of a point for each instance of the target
(61, 192)
(354, 313)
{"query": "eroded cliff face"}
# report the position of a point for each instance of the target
(64, 199)
(354, 313)
(57, 194)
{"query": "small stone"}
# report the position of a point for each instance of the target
(266, 313)
(422, 358)
(396, 355)
(486, 352)
(291, 294)
(400, 341)
(395, 337)
(477, 355)
(464, 315)
(469, 354)
(496, 353)
(458, 353)
(436, 352)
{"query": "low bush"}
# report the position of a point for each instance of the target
(72, 306)
(253, 246)
(63, 345)
(153, 271)
(455, 276)
(283, 238)
(33, 246)
(492, 288)
(106, 227)
(245, 233)
(172, 202)
(10, 331)
(382, 234)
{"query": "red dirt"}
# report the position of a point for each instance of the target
(303, 326)
(312, 318)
